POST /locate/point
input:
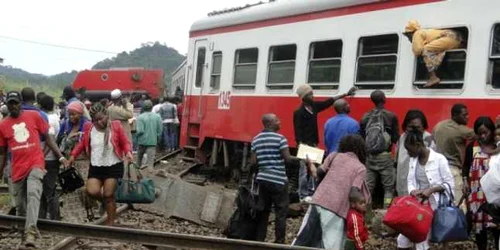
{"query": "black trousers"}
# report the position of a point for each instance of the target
(49, 202)
(272, 194)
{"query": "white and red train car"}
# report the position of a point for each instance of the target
(246, 62)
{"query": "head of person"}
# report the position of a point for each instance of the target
(341, 106)
(116, 96)
(47, 103)
(68, 93)
(99, 115)
(354, 144)
(14, 100)
(357, 200)
(104, 102)
(88, 103)
(378, 98)
(75, 112)
(39, 96)
(415, 119)
(460, 114)
(28, 95)
(410, 29)
(414, 143)
(147, 106)
(305, 92)
(271, 122)
(484, 127)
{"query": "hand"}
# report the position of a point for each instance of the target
(65, 163)
(351, 91)
(129, 157)
(71, 161)
(416, 193)
(427, 193)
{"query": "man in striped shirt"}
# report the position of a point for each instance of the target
(270, 152)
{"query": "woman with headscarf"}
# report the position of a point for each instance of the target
(71, 127)
(109, 150)
(324, 225)
(477, 155)
(432, 44)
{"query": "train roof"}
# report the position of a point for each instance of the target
(270, 10)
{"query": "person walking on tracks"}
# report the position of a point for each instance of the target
(270, 152)
(168, 113)
(20, 134)
(106, 144)
(149, 131)
(121, 110)
(380, 129)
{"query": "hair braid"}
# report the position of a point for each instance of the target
(96, 109)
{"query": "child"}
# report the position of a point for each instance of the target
(357, 233)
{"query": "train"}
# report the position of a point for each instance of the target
(98, 83)
(245, 62)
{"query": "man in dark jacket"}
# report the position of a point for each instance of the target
(305, 123)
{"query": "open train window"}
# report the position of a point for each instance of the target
(452, 69)
(216, 70)
(200, 66)
(376, 62)
(281, 68)
(495, 58)
(245, 68)
(324, 64)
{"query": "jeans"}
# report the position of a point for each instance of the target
(49, 203)
(169, 135)
(27, 193)
(272, 194)
(307, 184)
(150, 151)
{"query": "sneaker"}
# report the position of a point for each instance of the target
(30, 240)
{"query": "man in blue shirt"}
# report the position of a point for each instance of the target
(339, 126)
(28, 96)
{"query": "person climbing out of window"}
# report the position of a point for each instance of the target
(431, 44)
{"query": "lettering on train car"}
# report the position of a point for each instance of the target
(224, 99)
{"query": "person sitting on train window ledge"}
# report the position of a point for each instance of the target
(431, 44)
(70, 96)
(71, 128)
(20, 134)
(49, 203)
(106, 145)
(451, 136)
(168, 113)
(270, 152)
(305, 124)
(149, 131)
(339, 126)
(380, 128)
(120, 110)
(414, 119)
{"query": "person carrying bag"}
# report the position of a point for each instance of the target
(140, 190)
(449, 223)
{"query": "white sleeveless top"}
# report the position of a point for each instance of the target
(101, 156)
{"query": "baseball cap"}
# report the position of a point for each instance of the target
(13, 96)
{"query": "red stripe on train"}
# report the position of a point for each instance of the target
(313, 16)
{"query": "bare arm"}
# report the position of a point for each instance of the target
(3, 159)
(285, 153)
(51, 143)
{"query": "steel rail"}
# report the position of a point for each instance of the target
(144, 237)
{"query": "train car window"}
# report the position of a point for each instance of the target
(324, 64)
(376, 62)
(216, 70)
(495, 58)
(245, 68)
(281, 67)
(200, 66)
(452, 69)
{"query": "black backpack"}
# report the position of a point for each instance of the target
(243, 224)
(375, 135)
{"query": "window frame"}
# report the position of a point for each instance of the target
(372, 85)
(212, 75)
(491, 60)
(200, 76)
(310, 59)
(236, 64)
(281, 86)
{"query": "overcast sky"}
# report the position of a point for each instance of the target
(110, 25)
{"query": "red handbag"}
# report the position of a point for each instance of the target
(410, 217)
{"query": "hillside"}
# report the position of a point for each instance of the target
(150, 55)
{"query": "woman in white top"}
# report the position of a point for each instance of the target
(427, 175)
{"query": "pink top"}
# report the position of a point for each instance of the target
(343, 171)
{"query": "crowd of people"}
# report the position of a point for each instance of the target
(449, 160)
(38, 139)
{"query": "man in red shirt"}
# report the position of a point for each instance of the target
(20, 134)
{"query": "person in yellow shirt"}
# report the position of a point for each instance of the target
(431, 44)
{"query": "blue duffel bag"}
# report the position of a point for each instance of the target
(449, 223)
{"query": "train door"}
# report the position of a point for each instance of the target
(200, 73)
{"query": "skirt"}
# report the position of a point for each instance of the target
(103, 173)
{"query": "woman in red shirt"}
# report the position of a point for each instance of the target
(108, 148)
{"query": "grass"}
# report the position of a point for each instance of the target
(54, 91)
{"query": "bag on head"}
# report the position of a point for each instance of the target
(377, 139)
